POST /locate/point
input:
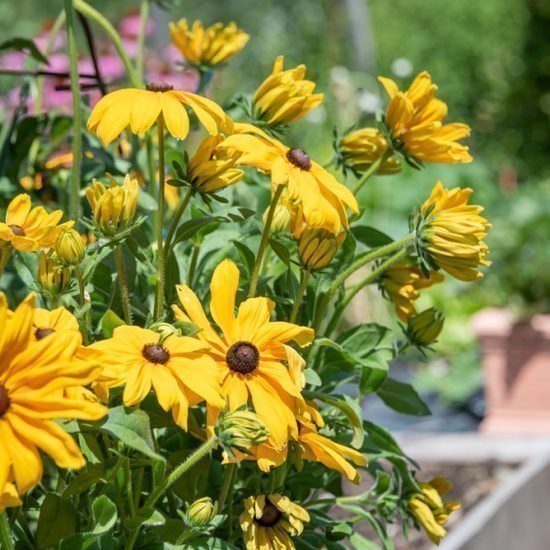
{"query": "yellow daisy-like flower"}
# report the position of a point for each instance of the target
(139, 109)
(251, 351)
(430, 511)
(212, 168)
(453, 231)
(360, 149)
(269, 521)
(320, 199)
(402, 283)
(178, 368)
(33, 377)
(207, 46)
(415, 120)
(285, 96)
(29, 229)
(69, 247)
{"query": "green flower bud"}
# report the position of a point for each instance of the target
(424, 328)
(318, 247)
(241, 429)
(52, 276)
(201, 512)
(69, 247)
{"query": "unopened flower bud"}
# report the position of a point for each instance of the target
(281, 218)
(201, 512)
(241, 429)
(318, 247)
(165, 330)
(69, 247)
(52, 276)
(424, 328)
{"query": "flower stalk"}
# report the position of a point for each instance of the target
(4, 257)
(159, 301)
(372, 170)
(304, 280)
(177, 217)
(143, 18)
(123, 283)
(6, 540)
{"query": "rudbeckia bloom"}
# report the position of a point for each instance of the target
(177, 368)
(285, 96)
(210, 46)
(269, 521)
(33, 378)
(415, 121)
(212, 168)
(250, 352)
(452, 231)
(28, 229)
(140, 109)
(319, 198)
(430, 511)
(113, 208)
(402, 283)
(360, 149)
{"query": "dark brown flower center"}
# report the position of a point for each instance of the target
(270, 516)
(4, 401)
(43, 332)
(156, 354)
(17, 230)
(159, 86)
(242, 357)
(299, 158)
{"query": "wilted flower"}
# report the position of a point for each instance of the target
(317, 248)
(207, 46)
(241, 429)
(285, 96)
(201, 512)
(52, 276)
(424, 328)
(69, 247)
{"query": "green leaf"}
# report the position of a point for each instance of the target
(146, 516)
(247, 256)
(370, 236)
(189, 228)
(187, 329)
(312, 378)
(281, 250)
(359, 542)
(352, 409)
(109, 322)
(26, 46)
(84, 480)
(57, 520)
(402, 398)
(132, 427)
(105, 514)
(382, 439)
(89, 541)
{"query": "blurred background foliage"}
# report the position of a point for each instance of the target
(491, 60)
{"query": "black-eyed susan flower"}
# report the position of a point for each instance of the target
(415, 122)
(250, 352)
(179, 369)
(29, 229)
(285, 95)
(207, 46)
(271, 521)
(139, 109)
(402, 283)
(69, 246)
(360, 149)
(317, 248)
(429, 509)
(318, 197)
(451, 233)
(212, 168)
(53, 277)
(114, 207)
(59, 320)
(424, 328)
(33, 377)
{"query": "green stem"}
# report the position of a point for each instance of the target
(177, 217)
(4, 257)
(159, 301)
(300, 296)
(90, 12)
(263, 242)
(74, 206)
(367, 258)
(193, 264)
(6, 541)
(59, 22)
(82, 290)
(227, 486)
(372, 276)
(123, 283)
(372, 170)
(143, 17)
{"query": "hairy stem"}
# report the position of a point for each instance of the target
(6, 541)
(82, 291)
(159, 301)
(371, 171)
(123, 283)
(177, 217)
(304, 280)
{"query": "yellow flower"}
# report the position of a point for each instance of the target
(429, 510)
(211, 168)
(9, 497)
(179, 369)
(59, 320)
(52, 276)
(402, 283)
(317, 248)
(250, 352)
(452, 231)
(114, 208)
(360, 149)
(269, 522)
(285, 96)
(69, 247)
(172, 196)
(33, 377)
(209, 46)
(319, 197)
(415, 121)
(140, 109)
(29, 229)
(424, 328)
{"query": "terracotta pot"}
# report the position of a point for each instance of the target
(516, 364)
